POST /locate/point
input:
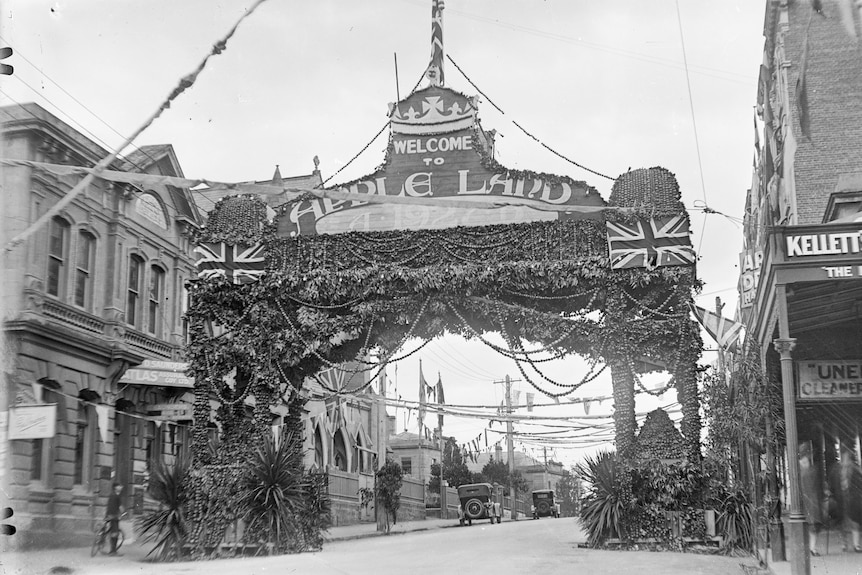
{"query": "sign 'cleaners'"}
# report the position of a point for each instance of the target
(830, 380)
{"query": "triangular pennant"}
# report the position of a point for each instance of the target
(724, 331)
(102, 421)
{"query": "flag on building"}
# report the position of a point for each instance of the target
(801, 86)
(441, 401)
(756, 135)
(650, 243)
(238, 263)
(422, 398)
(724, 331)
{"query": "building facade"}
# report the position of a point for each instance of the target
(801, 284)
(98, 288)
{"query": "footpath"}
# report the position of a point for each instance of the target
(72, 560)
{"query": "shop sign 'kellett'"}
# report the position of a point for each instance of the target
(438, 150)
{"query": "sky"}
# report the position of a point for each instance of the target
(609, 85)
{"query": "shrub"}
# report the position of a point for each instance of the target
(387, 486)
(603, 505)
(734, 522)
(274, 494)
(167, 525)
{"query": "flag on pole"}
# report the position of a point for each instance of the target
(530, 401)
(422, 398)
(724, 331)
(435, 67)
(802, 88)
(441, 401)
(756, 135)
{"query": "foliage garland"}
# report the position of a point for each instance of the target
(327, 299)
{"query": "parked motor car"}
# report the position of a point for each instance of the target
(476, 502)
(544, 504)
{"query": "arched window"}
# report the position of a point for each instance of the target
(85, 440)
(133, 296)
(360, 460)
(339, 456)
(58, 248)
(157, 286)
(83, 270)
(318, 448)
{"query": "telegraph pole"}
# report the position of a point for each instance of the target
(510, 447)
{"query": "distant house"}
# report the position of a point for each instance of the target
(538, 474)
(413, 452)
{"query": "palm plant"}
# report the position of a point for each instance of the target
(167, 524)
(602, 508)
(275, 493)
(735, 521)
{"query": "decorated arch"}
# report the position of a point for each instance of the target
(441, 239)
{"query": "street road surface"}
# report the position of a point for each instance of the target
(545, 547)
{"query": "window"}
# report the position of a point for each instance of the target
(83, 270)
(84, 445)
(339, 458)
(157, 284)
(42, 452)
(186, 301)
(136, 267)
(407, 466)
(154, 449)
(318, 448)
(58, 241)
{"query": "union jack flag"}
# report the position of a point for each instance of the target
(238, 263)
(648, 244)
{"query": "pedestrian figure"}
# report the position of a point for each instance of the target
(112, 516)
(812, 495)
(846, 480)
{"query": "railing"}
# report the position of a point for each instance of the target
(413, 489)
(72, 316)
(343, 485)
(523, 507)
(149, 344)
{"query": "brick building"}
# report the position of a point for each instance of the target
(95, 290)
(801, 284)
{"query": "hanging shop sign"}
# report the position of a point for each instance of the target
(829, 380)
(32, 421)
(437, 150)
(165, 373)
(170, 411)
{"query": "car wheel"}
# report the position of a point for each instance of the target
(474, 509)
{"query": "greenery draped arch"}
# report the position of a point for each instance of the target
(326, 299)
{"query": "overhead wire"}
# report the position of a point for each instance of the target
(19, 54)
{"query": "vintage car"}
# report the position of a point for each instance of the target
(476, 501)
(543, 504)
